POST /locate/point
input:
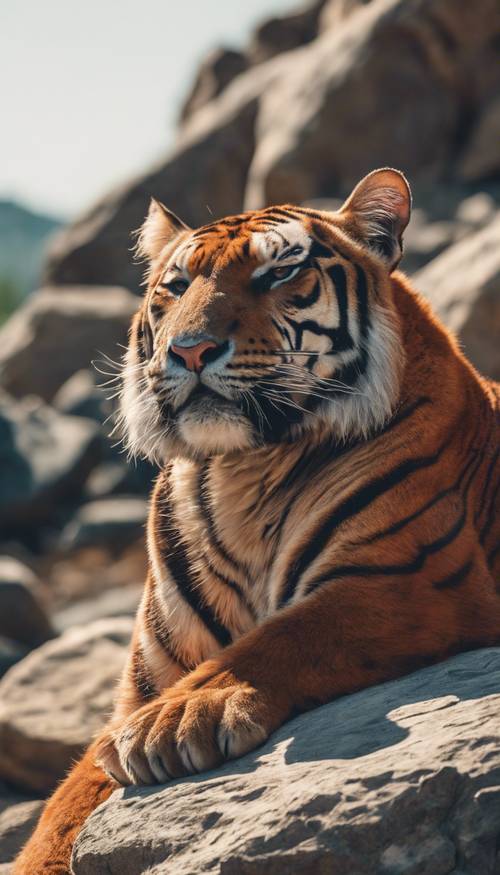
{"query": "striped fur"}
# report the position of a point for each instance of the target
(326, 516)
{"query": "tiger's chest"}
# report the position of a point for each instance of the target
(238, 526)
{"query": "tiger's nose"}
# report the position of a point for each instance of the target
(196, 356)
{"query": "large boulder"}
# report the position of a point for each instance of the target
(463, 285)
(346, 98)
(217, 70)
(113, 522)
(204, 175)
(53, 702)
(22, 615)
(400, 779)
(286, 32)
(18, 817)
(45, 459)
(330, 105)
(118, 601)
(58, 332)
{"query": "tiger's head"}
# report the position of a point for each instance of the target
(259, 328)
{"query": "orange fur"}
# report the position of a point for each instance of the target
(345, 536)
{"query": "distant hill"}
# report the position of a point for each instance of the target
(23, 237)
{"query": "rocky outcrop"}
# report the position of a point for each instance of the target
(463, 285)
(22, 616)
(17, 821)
(46, 458)
(65, 329)
(400, 779)
(215, 74)
(115, 521)
(329, 105)
(53, 702)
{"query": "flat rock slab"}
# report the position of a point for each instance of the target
(400, 779)
(53, 702)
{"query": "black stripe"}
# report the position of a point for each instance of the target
(487, 480)
(404, 521)
(176, 560)
(206, 512)
(160, 630)
(303, 301)
(492, 515)
(353, 505)
(403, 414)
(144, 685)
(227, 581)
(412, 567)
(454, 579)
(316, 457)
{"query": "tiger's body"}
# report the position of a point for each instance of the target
(326, 516)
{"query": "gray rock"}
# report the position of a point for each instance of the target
(65, 329)
(11, 652)
(120, 477)
(53, 702)
(45, 458)
(120, 601)
(218, 69)
(17, 821)
(330, 105)
(79, 396)
(481, 158)
(286, 32)
(399, 779)
(463, 285)
(22, 616)
(113, 522)
(346, 99)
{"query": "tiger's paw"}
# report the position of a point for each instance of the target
(188, 731)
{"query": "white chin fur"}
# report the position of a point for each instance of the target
(215, 434)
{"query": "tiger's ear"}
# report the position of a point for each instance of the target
(378, 211)
(159, 228)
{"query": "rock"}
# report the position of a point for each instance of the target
(281, 34)
(335, 12)
(45, 459)
(463, 285)
(346, 99)
(329, 104)
(204, 175)
(120, 601)
(11, 652)
(17, 822)
(215, 73)
(399, 779)
(114, 522)
(22, 616)
(53, 702)
(65, 329)
(79, 396)
(120, 478)
(481, 158)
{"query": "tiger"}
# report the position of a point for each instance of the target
(325, 514)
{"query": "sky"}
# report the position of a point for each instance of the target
(91, 89)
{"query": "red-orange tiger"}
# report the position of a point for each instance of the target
(325, 518)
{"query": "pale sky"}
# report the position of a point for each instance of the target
(91, 88)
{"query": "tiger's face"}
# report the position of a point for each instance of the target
(258, 328)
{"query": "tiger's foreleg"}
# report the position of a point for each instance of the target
(345, 636)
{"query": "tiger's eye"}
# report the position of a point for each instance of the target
(176, 287)
(281, 273)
